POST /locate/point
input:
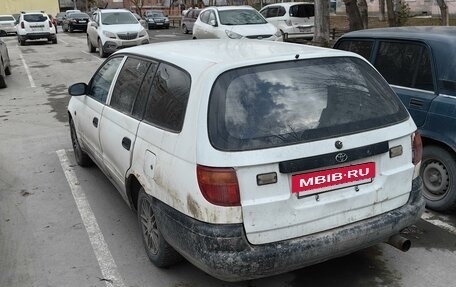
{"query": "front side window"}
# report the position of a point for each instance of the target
(360, 47)
(300, 101)
(128, 83)
(101, 81)
(405, 64)
(205, 16)
(270, 12)
(168, 98)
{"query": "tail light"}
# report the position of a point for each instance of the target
(22, 25)
(417, 148)
(50, 24)
(219, 186)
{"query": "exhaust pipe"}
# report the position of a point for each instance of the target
(401, 243)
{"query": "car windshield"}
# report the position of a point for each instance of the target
(7, 18)
(155, 14)
(299, 101)
(115, 18)
(35, 18)
(78, 15)
(240, 17)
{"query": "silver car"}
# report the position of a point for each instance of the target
(5, 67)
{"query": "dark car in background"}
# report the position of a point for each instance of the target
(188, 19)
(420, 64)
(59, 17)
(75, 21)
(156, 19)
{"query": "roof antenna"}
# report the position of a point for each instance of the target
(297, 56)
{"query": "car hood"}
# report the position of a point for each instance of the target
(7, 22)
(250, 30)
(120, 28)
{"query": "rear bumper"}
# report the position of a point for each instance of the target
(224, 252)
(35, 36)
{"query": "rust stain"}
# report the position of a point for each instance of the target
(193, 207)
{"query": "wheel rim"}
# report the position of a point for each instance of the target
(149, 227)
(436, 179)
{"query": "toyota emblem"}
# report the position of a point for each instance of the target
(341, 157)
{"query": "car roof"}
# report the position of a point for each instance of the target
(112, 10)
(430, 33)
(224, 8)
(229, 53)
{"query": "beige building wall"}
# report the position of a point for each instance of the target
(16, 6)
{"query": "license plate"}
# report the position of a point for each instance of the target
(82, 21)
(36, 28)
(324, 180)
(159, 23)
(304, 29)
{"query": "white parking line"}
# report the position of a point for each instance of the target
(27, 70)
(106, 262)
(92, 55)
(432, 218)
(66, 43)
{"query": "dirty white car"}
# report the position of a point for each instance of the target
(251, 158)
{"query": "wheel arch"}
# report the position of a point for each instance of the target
(133, 186)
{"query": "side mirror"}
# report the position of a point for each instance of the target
(213, 23)
(78, 89)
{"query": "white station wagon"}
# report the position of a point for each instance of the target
(251, 158)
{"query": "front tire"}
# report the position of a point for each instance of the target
(438, 171)
(89, 44)
(102, 53)
(81, 157)
(160, 253)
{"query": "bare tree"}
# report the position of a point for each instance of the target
(392, 18)
(444, 12)
(322, 23)
(139, 4)
(362, 6)
(381, 10)
(354, 17)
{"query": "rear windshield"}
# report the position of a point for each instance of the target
(116, 18)
(299, 101)
(302, 11)
(78, 15)
(241, 17)
(35, 18)
(7, 18)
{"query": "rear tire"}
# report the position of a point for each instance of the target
(184, 29)
(2, 82)
(438, 171)
(81, 157)
(54, 41)
(160, 253)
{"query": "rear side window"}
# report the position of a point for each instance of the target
(363, 48)
(405, 64)
(35, 18)
(292, 102)
(302, 11)
(128, 84)
(168, 98)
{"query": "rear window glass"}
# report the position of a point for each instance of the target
(300, 101)
(78, 15)
(35, 18)
(302, 11)
(7, 18)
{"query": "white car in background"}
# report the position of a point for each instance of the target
(234, 22)
(295, 20)
(114, 29)
(7, 25)
(34, 26)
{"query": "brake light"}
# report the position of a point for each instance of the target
(219, 186)
(22, 25)
(417, 148)
(50, 24)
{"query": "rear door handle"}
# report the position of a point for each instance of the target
(95, 122)
(126, 143)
